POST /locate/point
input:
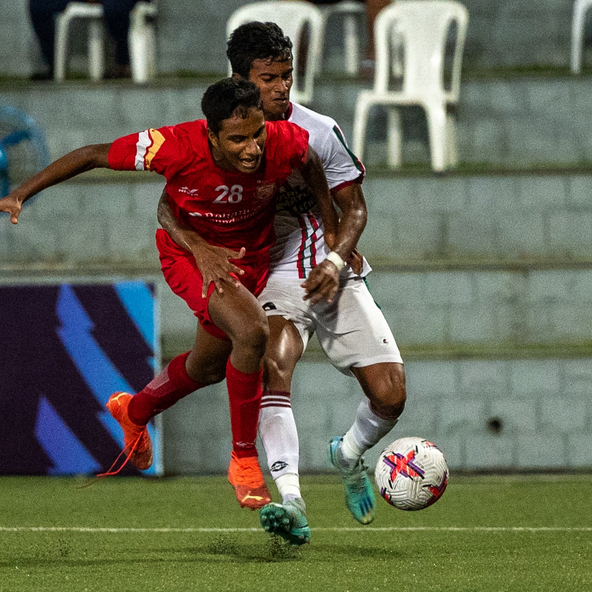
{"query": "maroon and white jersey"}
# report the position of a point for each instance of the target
(300, 242)
(227, 208)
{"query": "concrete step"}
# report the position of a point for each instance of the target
(448, 314)
(479, 217)
(519, 122)
(479, 309)
(526, 219)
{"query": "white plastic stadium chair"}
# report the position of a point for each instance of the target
(292, 17)
(354, 17)
(578, 23)
(141, 40)
(421, 28)
(96, 42)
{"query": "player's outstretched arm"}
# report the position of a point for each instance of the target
(212, 262)
(68, 166)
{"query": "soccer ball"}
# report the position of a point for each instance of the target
(411, 473)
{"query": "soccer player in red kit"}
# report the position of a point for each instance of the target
(223, 175)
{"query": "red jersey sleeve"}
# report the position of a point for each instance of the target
(159, 150)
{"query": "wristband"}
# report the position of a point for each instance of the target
(336, 260)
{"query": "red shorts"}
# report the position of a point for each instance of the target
(184, 278)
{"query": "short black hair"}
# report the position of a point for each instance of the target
(256, 41)
(228, 97)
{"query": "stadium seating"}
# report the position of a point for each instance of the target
(353, 16)
(142, 40)
(580, 9)
(293, 18)
(421, 29)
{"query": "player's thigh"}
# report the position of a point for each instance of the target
(284, 350)
(354, 333)
(238, 313)
(181, 274)
(284, 298)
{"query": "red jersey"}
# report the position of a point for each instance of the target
(227, 208)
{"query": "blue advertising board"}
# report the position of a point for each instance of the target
(64, 349)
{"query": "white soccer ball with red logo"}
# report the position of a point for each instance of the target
(411, 473)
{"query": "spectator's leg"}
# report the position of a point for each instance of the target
(42, 14)
(117, 22)
(373, 7)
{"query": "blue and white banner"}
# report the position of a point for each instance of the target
(64, 349)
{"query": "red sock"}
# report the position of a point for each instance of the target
(244, 395)
(171, 385)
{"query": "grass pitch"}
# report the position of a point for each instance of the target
(486, 533)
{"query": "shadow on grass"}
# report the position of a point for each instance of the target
(277, 549)
(222, 549)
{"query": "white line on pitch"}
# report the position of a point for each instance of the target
(318, 529)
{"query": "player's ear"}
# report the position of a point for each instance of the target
(236, 76)
(213, 138)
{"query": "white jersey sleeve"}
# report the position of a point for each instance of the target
(326, 138)
(300, 243)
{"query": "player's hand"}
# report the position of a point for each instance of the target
(322, 283)
(13, 205)
(215, 266)
(355, 261)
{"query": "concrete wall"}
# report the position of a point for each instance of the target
(543, 406)
(486, 340)
(480, 217)
(20, 53)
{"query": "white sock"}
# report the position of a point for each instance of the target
(367, 430)
(278, 433)
(289, 487)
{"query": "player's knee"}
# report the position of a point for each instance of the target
(390, 396)
(209, 376)
(252, 336)
(206, 374)
(390, 406)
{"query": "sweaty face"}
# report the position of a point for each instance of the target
(239, 144)
(274, 80)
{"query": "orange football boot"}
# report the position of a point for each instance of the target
(135, 438)
(247, 479)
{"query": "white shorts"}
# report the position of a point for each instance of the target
(352, 330)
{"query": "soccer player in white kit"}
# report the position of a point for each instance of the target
(351, 329)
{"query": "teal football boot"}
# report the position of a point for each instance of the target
(359, 493)
(287, 520)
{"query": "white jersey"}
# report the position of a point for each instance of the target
(300, 242)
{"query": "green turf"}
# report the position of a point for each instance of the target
(483, 554)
